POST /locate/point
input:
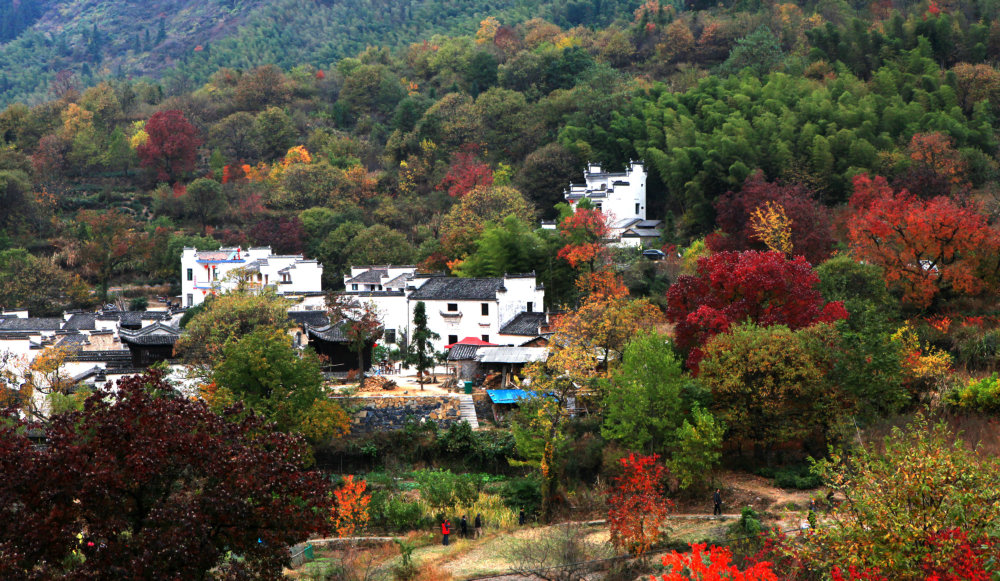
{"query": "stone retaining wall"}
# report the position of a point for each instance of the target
(377, 414)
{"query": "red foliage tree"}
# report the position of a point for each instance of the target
(143, 484)
(937, 168)
(584, 232)
(636, 504)
(925, 247)
(171, 147)
(712, 564)
(283, 235)
(350, 507)
(466, 172)
(731, 287)
(812, 235)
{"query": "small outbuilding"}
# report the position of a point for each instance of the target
(509, 361)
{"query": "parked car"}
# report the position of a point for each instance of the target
(653, 254)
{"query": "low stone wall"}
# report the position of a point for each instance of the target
(383, 413)
(484, 407)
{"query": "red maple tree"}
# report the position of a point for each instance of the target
(466, 172)
(584, 232)
(171, 147)
(925, 247)
(812, 235)
(636, 504)
(732, 287)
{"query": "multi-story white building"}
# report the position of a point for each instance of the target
(209, 272)
(621, 197)
(456, 307)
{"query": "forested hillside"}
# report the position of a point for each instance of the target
(419, 153)
(185, 40)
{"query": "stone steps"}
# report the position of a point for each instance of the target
(468, 410)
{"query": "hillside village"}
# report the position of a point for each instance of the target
(538, 289)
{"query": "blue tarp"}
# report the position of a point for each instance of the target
(508, 396)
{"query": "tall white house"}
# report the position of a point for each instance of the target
(209, 272)
(456, 307)
(619, 196)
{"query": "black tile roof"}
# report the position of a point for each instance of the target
(73, 340)
(524, 324)
(133, 317)
(458, 289)
(155, 334)
(314, 318)
(31, 324)
(330, 333)
(371, 275)
(82, 321)
(462, 352)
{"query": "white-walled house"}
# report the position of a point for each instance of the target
(475, 307)
(378, 278)
(209, 272)
(621, 197)
(456, 307)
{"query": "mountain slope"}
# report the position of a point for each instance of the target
(100, 39)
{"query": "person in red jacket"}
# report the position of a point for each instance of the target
(445, 531)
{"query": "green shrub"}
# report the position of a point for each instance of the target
(797, 477)
(443, 489)
(976, 348)
(395, 513)
(523, 493)
(978, 395)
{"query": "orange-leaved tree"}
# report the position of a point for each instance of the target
(637, 505)
(584, 232)
(607, 318)
(350, 506)
(925, 247)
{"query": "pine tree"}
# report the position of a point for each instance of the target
(421, 352)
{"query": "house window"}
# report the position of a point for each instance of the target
(598, 206)
(453, 308)
(637, 209)
(190, 274)
(486, 338)
(486, 309)
(531, 307)
(190, 300)
(390, 336)
(354, 287)
(452, 339)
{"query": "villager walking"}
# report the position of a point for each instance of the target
(464, 527)
(445, 531)
(479, 525)
(717, 501)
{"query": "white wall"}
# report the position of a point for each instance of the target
(617, 202)
(212, 278)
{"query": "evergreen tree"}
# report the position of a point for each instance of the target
(421, 352)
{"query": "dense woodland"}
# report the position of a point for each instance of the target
(826, 172)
